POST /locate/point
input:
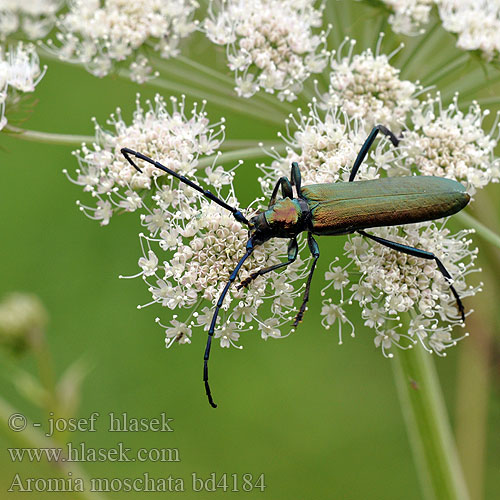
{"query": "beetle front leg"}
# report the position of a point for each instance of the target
(293, 250)
(286, 190)
(368, 144)
(313, 247)
(416, 252)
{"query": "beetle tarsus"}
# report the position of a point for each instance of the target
(299, 317)
(209, 395)
(246, 281)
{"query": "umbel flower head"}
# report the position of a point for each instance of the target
(20, 73)
(35, 18)
(447, 142)
(100, 33)
(367, 86)
(270, 43)
(189, 245)
(176, 138)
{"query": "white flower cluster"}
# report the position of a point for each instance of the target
(270, 43)
(450, 143)
(172, 138)
(99, 33)
(188, 256)
(391, 283)
(34, 17)
(409, 16)
(367, 85)
(388, 284)
(190, 245)
(476, 23)
(19, 73)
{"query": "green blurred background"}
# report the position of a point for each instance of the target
(318, 419)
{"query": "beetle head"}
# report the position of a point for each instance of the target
(259, 230)
(285, 219)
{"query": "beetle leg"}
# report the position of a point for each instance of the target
(313, 247)
(286, 190)
(296, 178)
(368, 144)
(127, 152)
(416, 252)
(211, 330)
(293, 250)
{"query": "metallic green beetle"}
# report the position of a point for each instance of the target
(333, 209)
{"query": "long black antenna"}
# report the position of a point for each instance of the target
(232, 277)
(236, 213)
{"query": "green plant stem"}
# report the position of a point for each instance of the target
(473, 386)
(428, 427)
(43, 357)
(481, 229)
(47, 137)
(475, 360)
(482, 101)
(32, 438)
(243, 143)
(407, 66)
(287, 108)
(227, 102)
(442, 71)
(220, 91)
(471, 91)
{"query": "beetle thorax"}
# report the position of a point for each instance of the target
(285, 218)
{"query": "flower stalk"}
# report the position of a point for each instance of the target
(485, 233)
(240, 154)
(47, 137)
(227, 101)
(428, 427)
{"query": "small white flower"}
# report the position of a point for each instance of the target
(21, 315)
(367, 86)
(178, 332)
(149, 265)
(20, 72)
(270, 328)
(326, 144)
(228, 335)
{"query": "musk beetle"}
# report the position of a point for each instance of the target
(334, 209)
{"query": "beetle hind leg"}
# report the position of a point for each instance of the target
(416, 252)
(313, 247)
